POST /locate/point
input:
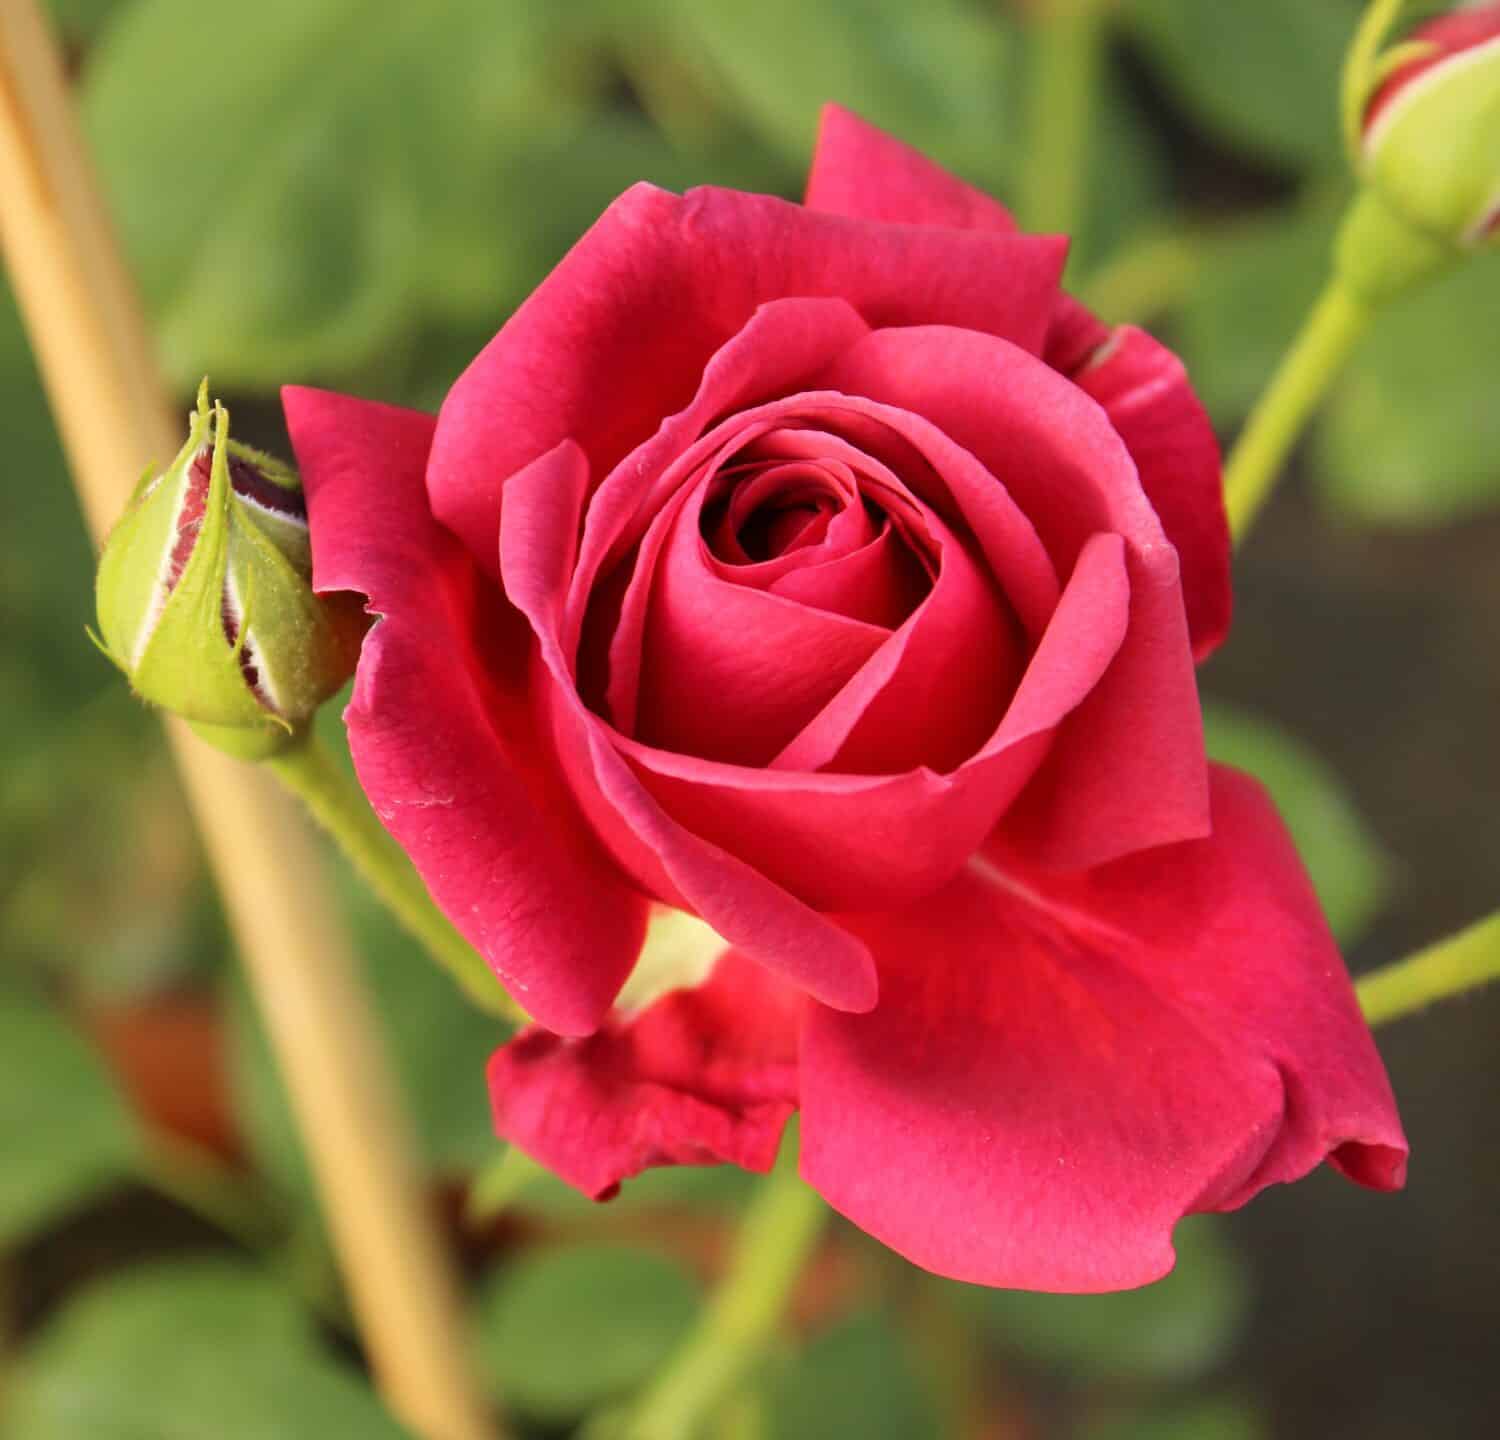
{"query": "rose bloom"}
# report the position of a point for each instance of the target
(824, 573)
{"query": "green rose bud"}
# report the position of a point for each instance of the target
(1430, 136)
(205, 596)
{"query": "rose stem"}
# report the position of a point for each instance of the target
(109, 402)
(310, 770)
(778, 1234)
(1064, 47)
(1449, 967)
(1328, 336)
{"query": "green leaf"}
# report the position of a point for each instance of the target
(1264, 77)
(563, 1332)
(1171, 1331)
(1412, 435)
(284, 172)
(935, 74)
(65, 1132)
(178, 1350)
(1252, 288)
(852, 1382)
(1348, 869)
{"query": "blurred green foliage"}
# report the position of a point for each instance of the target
(356, 194)
(1348, 868)
(65, 1131)
(195, 1348)
(566, 1330)
(854, 1381)
(1175, 1330)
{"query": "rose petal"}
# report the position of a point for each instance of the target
(1059, 1070)
(850, 842)
(646, 297)
(730, 672)
(880, 583)
(537, 540)
(860, 171)
(937, 688)
(1146, 394)
(783, 345)
(1127, 771)
(702, 1075)
(440, 730)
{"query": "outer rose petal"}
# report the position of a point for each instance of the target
(1058, 1070)
(860, 171)
(1145, 391)
(618, 335)
(441, 734)
(700, 1076)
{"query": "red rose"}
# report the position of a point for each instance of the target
(824, 572)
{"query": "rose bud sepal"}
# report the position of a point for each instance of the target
(205, 599)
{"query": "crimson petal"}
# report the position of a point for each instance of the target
(439, 727)
(1127, 771)
(1145, 391)
(701, 1076)
(1060, 1069)
(861, 171)
(537, 543)
(689, 271)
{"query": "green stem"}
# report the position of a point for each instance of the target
(779, 1233)
(310, 771)
(1065, 48)
(1450, 967)
(1329, 334)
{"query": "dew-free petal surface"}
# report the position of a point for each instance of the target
(1061, 1067)
(700, 1076)
(440, 727)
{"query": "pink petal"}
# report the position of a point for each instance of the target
(537, 543)
(731, 672)
(851, 842)
(701, 1076)
(782, 346)
(440, 729)
(1058, 1070)
(936, 690)
(1127, 771)
(617, 337)
(1146, 394)
(861, 171)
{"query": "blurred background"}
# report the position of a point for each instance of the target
(356, 194)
